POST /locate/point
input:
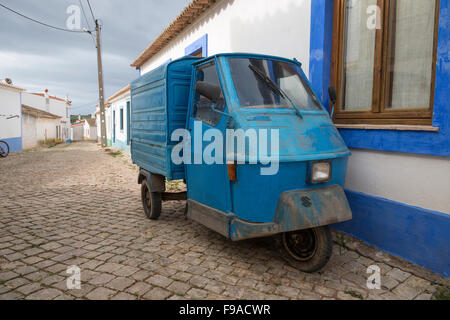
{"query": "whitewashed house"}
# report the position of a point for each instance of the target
(84, 130)
(38, 127)
(11, 116)
(393, 113)
(117, 114)
(59, 109)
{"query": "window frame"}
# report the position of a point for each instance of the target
(121, 120)
(378, 114)
(193, 111)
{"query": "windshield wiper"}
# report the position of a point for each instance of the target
(275, 88)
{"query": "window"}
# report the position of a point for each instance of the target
(121, 119)
(384, 59)
(198, 48)
(255, 91)
(203, 107)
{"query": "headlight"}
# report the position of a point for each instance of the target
(321, 172)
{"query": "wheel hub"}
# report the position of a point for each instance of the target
(301, 245)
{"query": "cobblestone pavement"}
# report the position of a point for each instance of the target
(78, 205)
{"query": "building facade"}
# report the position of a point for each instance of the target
(390, 64)
(84, 130)
(11, 116)
(118, 111)
(39, 127)
(54, 106)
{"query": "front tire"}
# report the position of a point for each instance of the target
(151, 201)
(307, 250)
(4, 149)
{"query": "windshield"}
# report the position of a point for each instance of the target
(264, 83)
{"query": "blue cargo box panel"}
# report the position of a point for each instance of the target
(159, 103)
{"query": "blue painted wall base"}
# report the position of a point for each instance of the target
(418, 235)
(121, 145)
(15, 144)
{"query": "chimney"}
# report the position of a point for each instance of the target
(79, 117)
(47, 100)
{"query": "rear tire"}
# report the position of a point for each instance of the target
(307, 250)
(151, 201)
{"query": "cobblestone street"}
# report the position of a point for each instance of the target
(77, 205)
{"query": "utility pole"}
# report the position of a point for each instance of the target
(100, 86)
(100, 83)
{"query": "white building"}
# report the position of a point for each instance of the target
(55, 106)
(398, 178)
(39, 127)
(84, 130)
(118, 111)
(11, 116)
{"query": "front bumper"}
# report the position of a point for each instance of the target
(298, 210)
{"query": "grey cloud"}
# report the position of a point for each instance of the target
(36, 57)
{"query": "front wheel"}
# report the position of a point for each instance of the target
(307, 250)
(151, 201)
(4, 149)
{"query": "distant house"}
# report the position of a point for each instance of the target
(90, 129)
(52, 121)
(10, 116)
(118, 111)
(84, 130)
(39, 126)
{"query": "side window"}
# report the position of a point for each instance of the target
(203, 107)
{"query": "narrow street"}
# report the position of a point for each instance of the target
(78, 205)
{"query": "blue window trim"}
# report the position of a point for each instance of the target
(200, 44)
(416, 142)
(139, 71)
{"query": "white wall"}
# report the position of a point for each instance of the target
(280, 28)
(10, 106)
(55, 107)
(46, 129)
(77, 133)
(116, 105)
(29, 138)
(420, 181)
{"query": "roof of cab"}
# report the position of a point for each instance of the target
(247, 55)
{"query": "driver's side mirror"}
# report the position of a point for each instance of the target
(208, 90)
(333, 94)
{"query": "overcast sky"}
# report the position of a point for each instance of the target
(36, 57)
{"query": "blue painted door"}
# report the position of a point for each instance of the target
(208, 184)
(114, 126)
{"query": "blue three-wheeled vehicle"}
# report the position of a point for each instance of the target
(296, 195)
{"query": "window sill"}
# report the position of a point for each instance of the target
(388, 127)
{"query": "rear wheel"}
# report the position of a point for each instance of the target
(4, 149)
(307, 250)
(151, 201)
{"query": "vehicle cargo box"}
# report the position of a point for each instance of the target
(159, 102)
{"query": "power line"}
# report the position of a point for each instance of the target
(87, 22)
(92, 13)
(39, 22)
(84, 14)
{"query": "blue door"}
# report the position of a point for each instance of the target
(208, 184)
(114, 126)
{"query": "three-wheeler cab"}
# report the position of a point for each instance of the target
(258, 152)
